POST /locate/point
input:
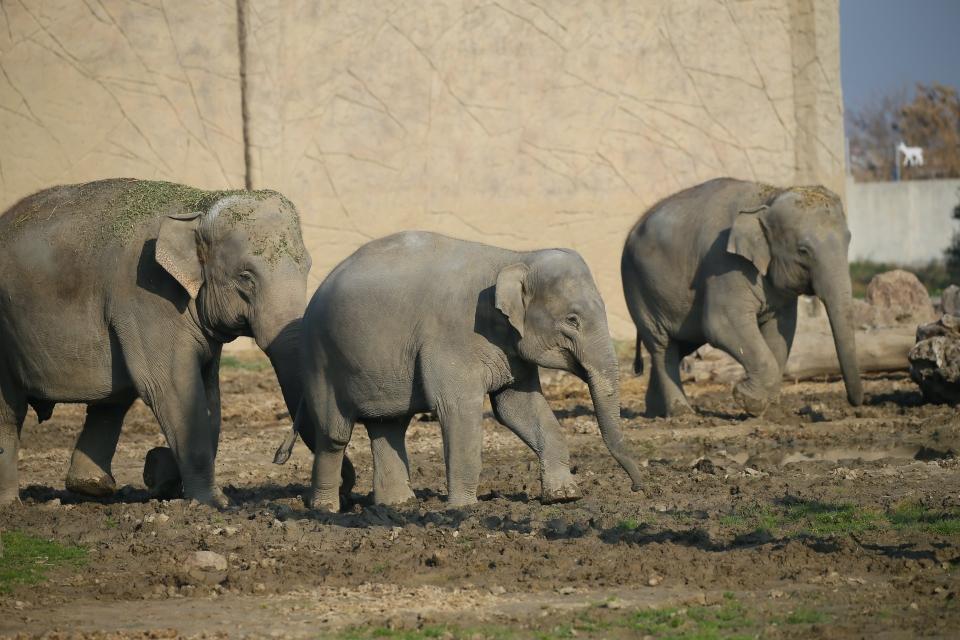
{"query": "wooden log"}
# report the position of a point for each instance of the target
(813, 355)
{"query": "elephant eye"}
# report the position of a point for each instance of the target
(573, 320)
(804, 250)
(246, 280)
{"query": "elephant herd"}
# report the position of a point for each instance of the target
(123, 289)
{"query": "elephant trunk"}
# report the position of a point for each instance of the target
(604, 383)
(834, 289)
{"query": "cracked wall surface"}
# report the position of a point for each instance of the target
(102, 88)
(520, 123)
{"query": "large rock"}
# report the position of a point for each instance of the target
(950, 300)
(935, 360)
(894, 298)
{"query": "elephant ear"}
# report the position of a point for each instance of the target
(747, 239)
(510, 294)
(177, 251)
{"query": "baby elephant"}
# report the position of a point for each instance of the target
(421, 322)
(724, 263)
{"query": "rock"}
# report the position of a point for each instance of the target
(705, 465)
(161, 474)
(654, 580)
(204, 567)
(935, 360)
(158, 518)
(950, 300)
(897, 297)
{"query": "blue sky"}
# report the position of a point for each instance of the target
(889, 44)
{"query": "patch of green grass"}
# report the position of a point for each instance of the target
(806, 616)
(629, 524)
(438, 631)
(247, 364)
(695, 623)
(916, 517)
(836, 519)
(26, 559)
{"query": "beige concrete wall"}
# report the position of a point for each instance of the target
(517, 123)
(110, 88)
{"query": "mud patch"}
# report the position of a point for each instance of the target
(840, 519)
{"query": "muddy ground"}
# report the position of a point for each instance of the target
(818, 519)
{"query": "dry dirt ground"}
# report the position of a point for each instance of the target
(817, 520)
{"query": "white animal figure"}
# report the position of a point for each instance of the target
(912, 156)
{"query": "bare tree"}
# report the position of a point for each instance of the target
(931, 121)
(873, 135)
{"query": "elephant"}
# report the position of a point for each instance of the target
(123, 288)
(418, 322)
(724, 263)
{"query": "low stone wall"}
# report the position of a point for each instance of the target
(905, 223)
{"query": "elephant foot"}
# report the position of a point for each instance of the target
(560, 488)
(751, 402)
(396, 495)
(679, 407)
(161, 474)
(461, 499)
(93, 485)
(320, 500)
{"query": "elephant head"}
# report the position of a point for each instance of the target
(244, 264)
(555, 307)
(798, 241)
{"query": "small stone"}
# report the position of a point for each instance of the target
(776, 594)
(914, 606)
(259, 587)
(566, 591)
(497, 590)
(231, 531)
(204, 567)
(654, 580)
(613, 603)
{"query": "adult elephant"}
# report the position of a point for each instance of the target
(122, 288)
(420, 322)
(723, 263)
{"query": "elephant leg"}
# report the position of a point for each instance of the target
(740, 336)
(13, 410)
(778, 332)
(348, 475)
(461, 426)
(332, 430)
(525, 411)
(391, 468)
(665, 396)
(211, 387)
(90, 471)
(180, 406)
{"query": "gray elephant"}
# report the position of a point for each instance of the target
(120, 289)
(724, 263)
(419, 322)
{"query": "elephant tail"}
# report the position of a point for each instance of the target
(286, 447)
(638, 358)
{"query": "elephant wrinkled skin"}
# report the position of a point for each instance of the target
(724, 263)
(122, 288)
(419, 322)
